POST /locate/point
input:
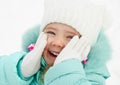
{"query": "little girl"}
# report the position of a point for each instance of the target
(71, 49)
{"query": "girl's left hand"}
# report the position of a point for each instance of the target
(75, 49)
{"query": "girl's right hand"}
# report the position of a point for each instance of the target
(31, 62)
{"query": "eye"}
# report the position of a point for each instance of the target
(69, 37)
(50, 33)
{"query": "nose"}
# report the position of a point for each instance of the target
(59, 42)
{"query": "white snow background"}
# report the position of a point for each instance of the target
(16, 16)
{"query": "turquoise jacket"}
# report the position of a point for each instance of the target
(69, 72)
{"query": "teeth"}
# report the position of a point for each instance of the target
(56, 54)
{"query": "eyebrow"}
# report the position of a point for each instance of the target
(51, 28)
(75, 33)
(71, 32)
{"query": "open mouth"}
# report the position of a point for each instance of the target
(53, 54)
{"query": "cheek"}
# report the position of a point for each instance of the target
(49, 39)
(46, 50)
(67, 41)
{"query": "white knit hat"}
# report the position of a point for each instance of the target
(87, 18)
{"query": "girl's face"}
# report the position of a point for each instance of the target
(58, 35)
